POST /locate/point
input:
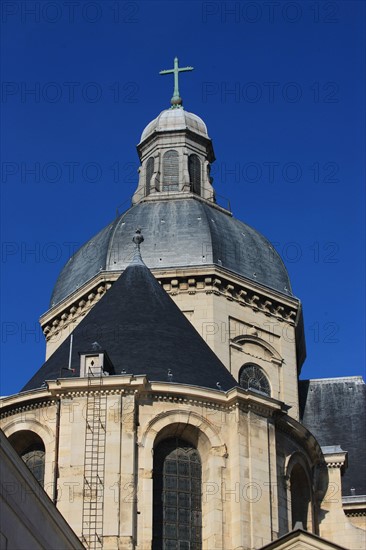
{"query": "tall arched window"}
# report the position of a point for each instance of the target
(170, 171)
(300, 497)
(194, 169)
(177, 478)
(30, 448)
(252, 377)
(149, 174)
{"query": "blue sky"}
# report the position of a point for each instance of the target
(281, 88)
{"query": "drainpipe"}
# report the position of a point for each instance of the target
(57, 446)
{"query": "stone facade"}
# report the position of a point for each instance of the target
(234, 433)
(248, 446)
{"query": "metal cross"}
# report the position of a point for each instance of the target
(176, 100)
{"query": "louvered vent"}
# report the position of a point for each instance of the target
(149, 174)
(194, 168)
(170, 171)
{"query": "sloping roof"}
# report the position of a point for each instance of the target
(178, 233)
(298, 539)
(334, 411)
(143, 332)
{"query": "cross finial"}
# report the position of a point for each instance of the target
(176, 100)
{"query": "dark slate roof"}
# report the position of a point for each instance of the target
(144, 333)
(178, 233)
(334, 411)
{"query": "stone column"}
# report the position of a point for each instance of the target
(334, 524)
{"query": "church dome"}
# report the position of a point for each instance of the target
(175, 119)
(181, 232)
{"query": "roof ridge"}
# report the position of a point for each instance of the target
(355, 378)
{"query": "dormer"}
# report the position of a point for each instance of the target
(95, 362)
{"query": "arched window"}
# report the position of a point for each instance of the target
(177, 496)
(252, 377)
(149, 174)
(194, 169)
(300, 497)
(170, 171)
(30, 448)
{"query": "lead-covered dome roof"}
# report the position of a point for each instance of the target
(175, 119)
(180, 232)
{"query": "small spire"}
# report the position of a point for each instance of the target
(176, 100)
(138, 238)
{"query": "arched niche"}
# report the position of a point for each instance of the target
(299, 492)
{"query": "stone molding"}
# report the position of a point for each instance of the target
(181, 394)
(298, 539)
(355, 514)
(79, 308)
(239, 341)
(336, 459)
(301, 435)
(335, 464)
(69, 312)
(26, 407)
(182, 416)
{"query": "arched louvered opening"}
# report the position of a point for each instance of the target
(149, 175)
(30, 448)
(252, 377)
(177, 522)
(194, 169)
(171, 171)
(300, 497)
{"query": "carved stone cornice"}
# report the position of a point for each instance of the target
(355, 514)
(190, 281)
(139, 386)
(72, 312)
(10, 409)
(335, 457)
(335, 464)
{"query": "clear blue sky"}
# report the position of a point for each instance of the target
(281, 87)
